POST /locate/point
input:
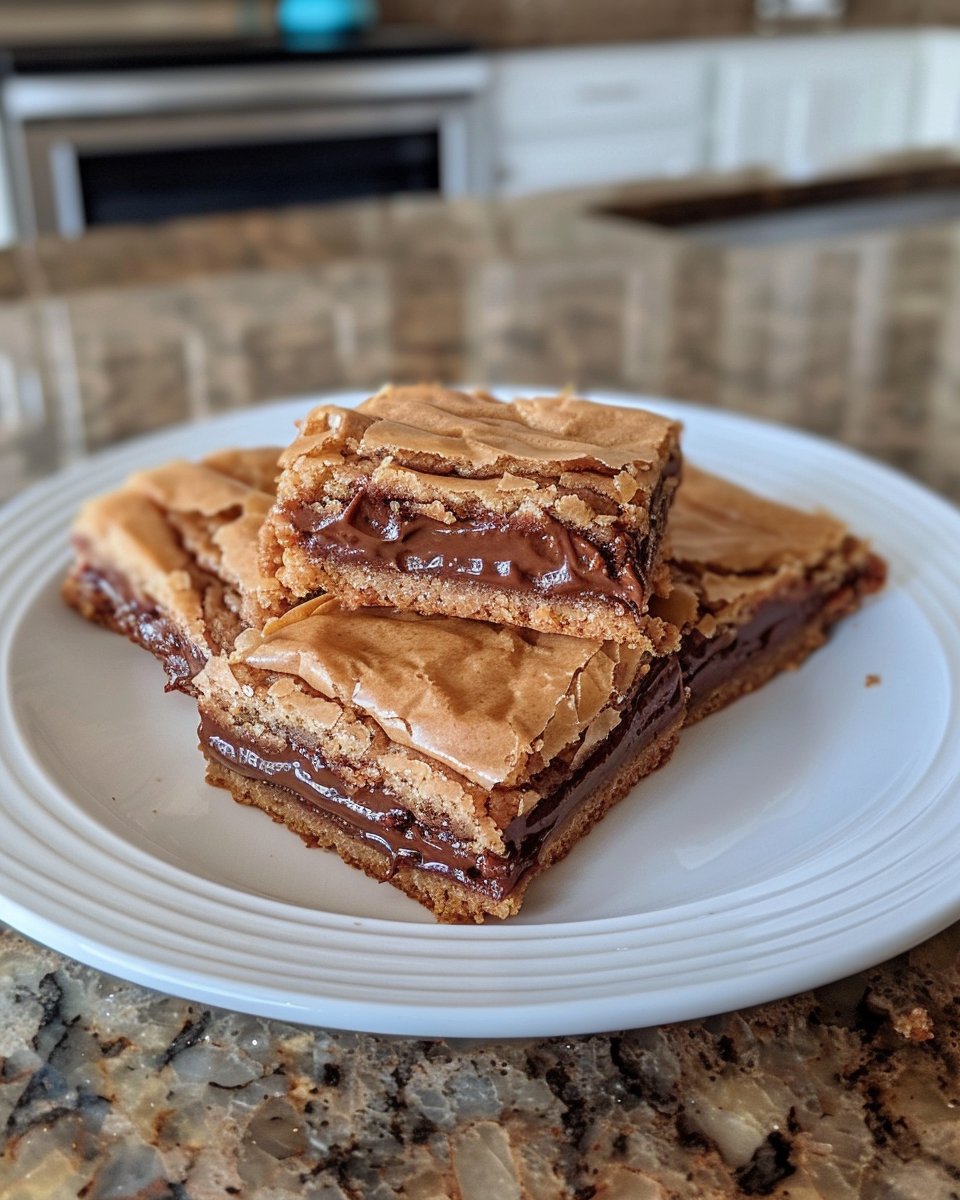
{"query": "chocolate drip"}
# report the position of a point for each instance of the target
(377, 816)
(119, 608)
(517, 554)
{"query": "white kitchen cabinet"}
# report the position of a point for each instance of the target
(570, 118)
(799, 106)
(804, 106)
(8, 231)
(602, 156)
(938, 97)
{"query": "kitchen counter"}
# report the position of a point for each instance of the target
(110, 1090)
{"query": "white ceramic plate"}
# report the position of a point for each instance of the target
(809, 831)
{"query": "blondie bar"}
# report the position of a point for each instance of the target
(546, 513)
(757, 586)
(455, 759)
(170, 559)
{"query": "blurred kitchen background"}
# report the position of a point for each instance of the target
(140, 110)
(207, 204)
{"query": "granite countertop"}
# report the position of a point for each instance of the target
(109, 1091)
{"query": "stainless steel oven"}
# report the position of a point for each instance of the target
(101, 148)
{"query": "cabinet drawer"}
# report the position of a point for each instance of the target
(582, 160)
(569, 90)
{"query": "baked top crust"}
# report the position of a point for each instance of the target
(730, 549)
(256, 466)
(430, 443)
(492, 703)
(163, 524)
(481, 436)
(717, 523)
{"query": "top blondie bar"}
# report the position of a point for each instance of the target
(546, 512)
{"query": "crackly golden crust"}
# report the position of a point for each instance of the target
(718, 524)
(596, 471)
(730, 550)
(181, 540)
(475, 696)
(473, 436)
(256, 466)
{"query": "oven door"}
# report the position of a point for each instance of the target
(98, 171)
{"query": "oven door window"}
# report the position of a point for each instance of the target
(151, 185)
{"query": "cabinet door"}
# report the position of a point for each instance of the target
(938, 107)
(809, 105)
(8, 229)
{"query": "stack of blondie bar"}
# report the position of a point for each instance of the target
(442, 634)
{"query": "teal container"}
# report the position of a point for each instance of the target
(317, 18)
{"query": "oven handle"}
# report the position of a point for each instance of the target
(67, 192)
(142, 93)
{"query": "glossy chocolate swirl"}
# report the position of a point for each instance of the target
(539, 555)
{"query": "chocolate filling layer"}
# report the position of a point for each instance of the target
(379, 818)
(119, 608)
(521, 555)
(708, 663)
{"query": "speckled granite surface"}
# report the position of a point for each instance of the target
(110, 1092)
